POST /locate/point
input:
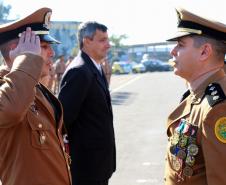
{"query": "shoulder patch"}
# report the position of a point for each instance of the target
(214, 94)
(220, 129)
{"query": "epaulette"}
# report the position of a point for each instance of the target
(214, 94)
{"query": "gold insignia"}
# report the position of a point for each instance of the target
(47, 20)
(220, 129)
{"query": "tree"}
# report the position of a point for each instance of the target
(4, 11)
(117, 40)
(117, 46)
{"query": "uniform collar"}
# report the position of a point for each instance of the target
(185, 107)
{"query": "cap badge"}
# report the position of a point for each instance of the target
(47, 20)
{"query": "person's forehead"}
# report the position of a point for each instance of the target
(184, 39)
(44, 43)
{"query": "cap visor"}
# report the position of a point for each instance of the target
(178, 35)
(49, 39)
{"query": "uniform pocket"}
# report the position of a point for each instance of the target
(40, 131)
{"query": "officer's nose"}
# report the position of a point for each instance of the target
(51, 52)
(108, 45)
(173, 52)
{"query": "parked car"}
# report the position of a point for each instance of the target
(138, 67)
(156, 65)
(121, 67)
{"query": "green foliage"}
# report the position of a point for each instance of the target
(4, 11)
(116, 41)
(117, 46)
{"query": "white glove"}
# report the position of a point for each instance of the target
(28, 43)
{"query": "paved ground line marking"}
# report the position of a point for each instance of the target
(125, 84)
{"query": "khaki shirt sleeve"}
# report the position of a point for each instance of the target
(214, 149)
(17, 89)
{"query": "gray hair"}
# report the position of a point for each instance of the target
(88, 29)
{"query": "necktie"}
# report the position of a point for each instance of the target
(100, 70)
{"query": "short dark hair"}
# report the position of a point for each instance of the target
(88, 29)
(219, 46)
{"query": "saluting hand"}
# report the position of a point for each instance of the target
(28, 43)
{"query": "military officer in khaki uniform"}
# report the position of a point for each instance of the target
(197, 127)
(32, 149)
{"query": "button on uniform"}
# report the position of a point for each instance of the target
(39, 125)
(42, 138)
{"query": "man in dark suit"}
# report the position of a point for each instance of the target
(87, 109)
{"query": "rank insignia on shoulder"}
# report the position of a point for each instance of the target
(220, 129)
(214, 94)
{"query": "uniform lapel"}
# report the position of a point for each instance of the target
(183, 109)
(47, 105)
(101, 79)
(42, 99)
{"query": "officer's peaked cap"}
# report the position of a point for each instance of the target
(39, 21)
(190, 24)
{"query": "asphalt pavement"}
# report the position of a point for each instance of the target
(141, 105)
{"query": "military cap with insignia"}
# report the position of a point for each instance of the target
(39, 21)
(191, 24)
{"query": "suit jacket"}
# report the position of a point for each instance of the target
(204, 111)
(31, 147)
(88, 118)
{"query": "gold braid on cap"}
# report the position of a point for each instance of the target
(38, 33)
(199, 32)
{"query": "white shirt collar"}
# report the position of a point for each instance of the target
(98, 66)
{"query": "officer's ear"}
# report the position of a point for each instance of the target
(87, 40)
(206, 51)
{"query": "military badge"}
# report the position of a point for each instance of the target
(183, 141)
(175, 138)
(193, 149)
(188, 171)
(47, 20)
(190, 160)
(181, 154)
(34, 108)
(176, 163)
(184, 148)
(220, 129)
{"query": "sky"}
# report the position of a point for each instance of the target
(143, 21)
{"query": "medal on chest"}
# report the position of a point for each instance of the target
(183, 149)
